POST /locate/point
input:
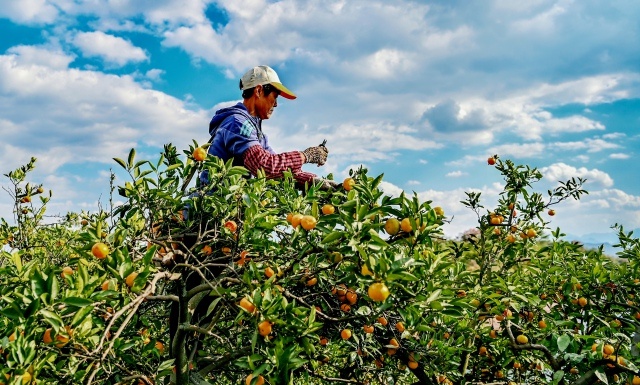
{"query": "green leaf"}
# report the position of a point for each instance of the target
(563, 342)
(77, 301)
(121, 162)
(601, 376)
(331, 237)
(132, 155)
(81, 315)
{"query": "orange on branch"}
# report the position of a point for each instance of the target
(378, 292)
(199, 154)
(100, 250)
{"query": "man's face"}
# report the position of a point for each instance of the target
(266, 103)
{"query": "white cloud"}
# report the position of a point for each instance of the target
(29, 11)
(413, 182)
(590, 145)
(562, 172)
(112, 49)
(456, 174)
(41, 56)
(619, 155)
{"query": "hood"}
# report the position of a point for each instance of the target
(224, 113)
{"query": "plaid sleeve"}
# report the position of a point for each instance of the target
(274, 165)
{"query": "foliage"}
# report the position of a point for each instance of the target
(277, 298)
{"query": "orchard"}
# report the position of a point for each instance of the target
(271, 283)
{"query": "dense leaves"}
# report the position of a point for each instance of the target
(341, 293)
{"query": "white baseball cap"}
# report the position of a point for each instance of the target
(262, 75)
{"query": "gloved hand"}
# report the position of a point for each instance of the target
(316, 154)
(325, 184)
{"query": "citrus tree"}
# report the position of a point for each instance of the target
(256, 281)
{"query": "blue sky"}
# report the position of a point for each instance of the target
(422, 91)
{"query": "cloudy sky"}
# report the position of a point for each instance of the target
(422, 91)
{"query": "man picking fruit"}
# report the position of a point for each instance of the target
(237, 132)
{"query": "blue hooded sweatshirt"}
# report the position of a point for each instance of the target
(234, 131)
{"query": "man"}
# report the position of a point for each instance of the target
(237, 132)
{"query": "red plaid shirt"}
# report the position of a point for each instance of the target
(274, 165)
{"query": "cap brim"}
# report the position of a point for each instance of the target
(284, 91)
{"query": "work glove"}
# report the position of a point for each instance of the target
(316, 154)
(325, 184)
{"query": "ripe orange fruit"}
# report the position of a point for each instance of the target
(493, 334)
(231, 225)
(105, 286)
(399, 327)
(46, 338)
(259, 380)
(100, 250)
(439, 211)
(511, 238)
(368, 329)
(345, 334)
(394, 342)
(522, 339)
(207, 250)
(66, 271)
(531, 233)
(482, 351)
(582, 301)
(199, 154)
(542, 324)
(130, 278)
(269, 272)
(491, 161)
(312, 281)
(308, 222)
(495, 219)
(296, 219)
(405, 225)
(608, 349)
(517, 365)
(412, 365)
(392, 226)
(348, 184)
(324, 341)
(383, 321)
(345, 307)
(247, 305)
(551, 212)
(328, 209)
(635, 380)
(574, 370)
(264, 328)
(378, 292)
(62, 339)
(352, 297)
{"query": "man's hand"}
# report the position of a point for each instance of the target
(316, 154)
(326, 184)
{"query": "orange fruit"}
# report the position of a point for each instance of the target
(100, 250)
(308, 222)
(264, 328)
(493, 334)
(345, 334)
(394, 342)
(511, 238)
(66, 271)
(482, 351)
(399, 327)
(247, 305)
(405, 225)
(378, 292)
(324, 341)
(491, 161)
(608, 349)
(582, 301)
(392, 226)
(345, 307)
(231, 225)
(105, 286)
(207, 250)
(551, 212)
(259, 380)
(348, 184)
(383, 321)
(296, 219)
(312, 281)
(635, 380)
(542, 324)
(269, 272)
(439, 211)
(328, 209)
(522, 339)
(531, 233)
(412, 365)
(352, 297)
(517, 365)
(130, 278)
(368, 329)
(62, 339)
(46, 338)
(199, 154)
